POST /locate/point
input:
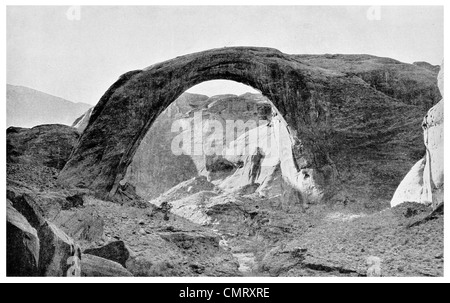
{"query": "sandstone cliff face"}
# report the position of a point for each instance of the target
(425, 181)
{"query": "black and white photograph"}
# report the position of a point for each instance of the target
(251, 142)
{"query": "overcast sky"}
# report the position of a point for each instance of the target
(79, 60)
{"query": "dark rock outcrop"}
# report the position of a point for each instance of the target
(115, 251)
(47, 145)
(343, 117)
(58, 254)
(22, 244)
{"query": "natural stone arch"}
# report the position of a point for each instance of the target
(127, 110)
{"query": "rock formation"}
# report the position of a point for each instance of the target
(93, 266)
(36, 247)
(22, 245)
(250, 213)
(279, 77)
(50, 145)
(340, 117)
(425, 181)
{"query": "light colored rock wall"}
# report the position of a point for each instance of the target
(425, 181)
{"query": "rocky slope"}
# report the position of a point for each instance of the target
(270, 238)
(154, 242)
(27, 107)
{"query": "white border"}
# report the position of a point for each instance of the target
(203, 279)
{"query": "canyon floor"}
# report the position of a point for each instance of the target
(212, 233)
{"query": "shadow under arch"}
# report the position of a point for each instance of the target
(127, 110)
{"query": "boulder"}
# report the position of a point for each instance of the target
(115, 251)
(59, 255)
(73, 201)
(28, 207)
(93, 266)
(22, 244)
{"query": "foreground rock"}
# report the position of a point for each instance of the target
(151, 241)
(49, 145)
(59, 255)
(93, 266)
(37, 247)
(22, 245)
(115, 251)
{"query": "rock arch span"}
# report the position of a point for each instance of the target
(127, 110)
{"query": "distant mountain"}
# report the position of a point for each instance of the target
(27, 107)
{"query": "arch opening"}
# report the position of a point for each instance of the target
(223, 133)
